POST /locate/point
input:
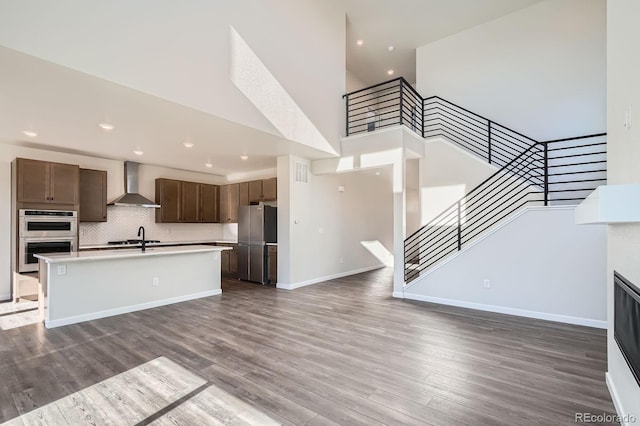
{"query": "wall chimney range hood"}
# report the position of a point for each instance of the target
(131, 197)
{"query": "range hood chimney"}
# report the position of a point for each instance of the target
(131, 198)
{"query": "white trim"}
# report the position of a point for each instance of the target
(616, 399)
(126, 309)
(377, 132)
(398, 294)
(327, 278)
(588, 322)
(484, 235)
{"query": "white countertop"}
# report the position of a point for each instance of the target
(124, 253)
(160, 244)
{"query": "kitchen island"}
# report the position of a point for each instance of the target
(82, 286)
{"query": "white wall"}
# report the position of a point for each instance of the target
(540, 264)
(182, 51)
(121, 223)
(623, 92)
(353, 83)
(447, 173)
(327, 227)
(540, 71)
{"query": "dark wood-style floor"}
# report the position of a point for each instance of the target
(341, 352)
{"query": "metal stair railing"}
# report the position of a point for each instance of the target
(562, 171)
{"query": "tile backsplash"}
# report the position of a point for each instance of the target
(123, 223)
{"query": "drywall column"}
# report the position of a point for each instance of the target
(5, 230)
(623, 154)
(399, 219)
(284, 220)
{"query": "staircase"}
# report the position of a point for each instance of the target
(530, 173)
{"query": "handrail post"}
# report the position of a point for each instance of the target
(401, 109)
(546, 173)
(422, 115)
(489, 143)
(346, 118)
(459, 226)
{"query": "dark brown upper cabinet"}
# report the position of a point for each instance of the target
(93, 196)
(43, 182)
(186, 202)
(229, 202)
(209, 203)
(263, 190)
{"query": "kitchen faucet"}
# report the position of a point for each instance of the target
(141, 230)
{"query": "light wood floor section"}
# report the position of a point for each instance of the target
(341, 352)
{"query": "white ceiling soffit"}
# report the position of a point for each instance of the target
(407, 25)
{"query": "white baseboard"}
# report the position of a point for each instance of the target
(588, 322)
(126, 309)
(615, 397)
(293, 286)
(624, 418)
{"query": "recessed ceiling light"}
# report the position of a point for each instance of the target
(391, 48)
(30, 133)
(106, 126)
(359, 42)
(377, 173)
(138, 151)
(244, 157)
(188, 144)
(208, 164)
(390, 72)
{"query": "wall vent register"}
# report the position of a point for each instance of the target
(301, 172)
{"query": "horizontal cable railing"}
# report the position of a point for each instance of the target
(396, 102)
(562, 171)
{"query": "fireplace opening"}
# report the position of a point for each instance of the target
(626, 322)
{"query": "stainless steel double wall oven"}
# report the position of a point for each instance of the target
(44, 231)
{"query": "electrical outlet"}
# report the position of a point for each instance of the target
(156, 281)
(487, 284)
(62, 269)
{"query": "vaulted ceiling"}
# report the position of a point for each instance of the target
(66, 96)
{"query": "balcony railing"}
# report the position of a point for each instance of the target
(396, 102)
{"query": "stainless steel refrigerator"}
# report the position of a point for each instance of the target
(257, 226)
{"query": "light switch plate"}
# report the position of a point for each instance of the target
(62, 269)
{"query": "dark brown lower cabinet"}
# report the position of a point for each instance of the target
(229, 261)
(272, 262)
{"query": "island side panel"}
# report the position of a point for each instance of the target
(100, 288)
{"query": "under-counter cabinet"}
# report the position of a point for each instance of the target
(93, 196)
(272, 264)
(45, 182)
(229, 261)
